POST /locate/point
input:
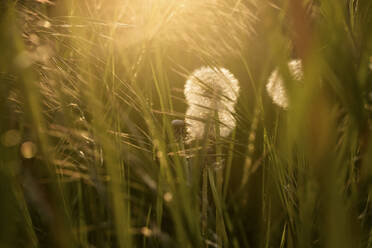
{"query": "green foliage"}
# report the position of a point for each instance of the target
(89, 156)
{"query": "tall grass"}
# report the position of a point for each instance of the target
(89, 155)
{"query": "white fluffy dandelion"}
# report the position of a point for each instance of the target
(210, 90)
(275, 85)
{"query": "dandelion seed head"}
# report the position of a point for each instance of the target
(207, 90)
(276, 90)
(295, 68)
(275, 85)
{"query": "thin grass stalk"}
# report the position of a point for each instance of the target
(205, 172)
(181, 207)
(248, 163)
(219, 168)
(230, 156)
(205, 204)
(27, 78)
(117, 185)
(34, 242)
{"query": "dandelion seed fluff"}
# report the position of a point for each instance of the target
(207, 90)
(275, 86)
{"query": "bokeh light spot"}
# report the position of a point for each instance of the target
(11, 138)
(146, 231)
(28, 149)
(168, 197)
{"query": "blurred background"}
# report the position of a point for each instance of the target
(89, 156)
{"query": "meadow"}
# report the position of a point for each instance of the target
(101, 144)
